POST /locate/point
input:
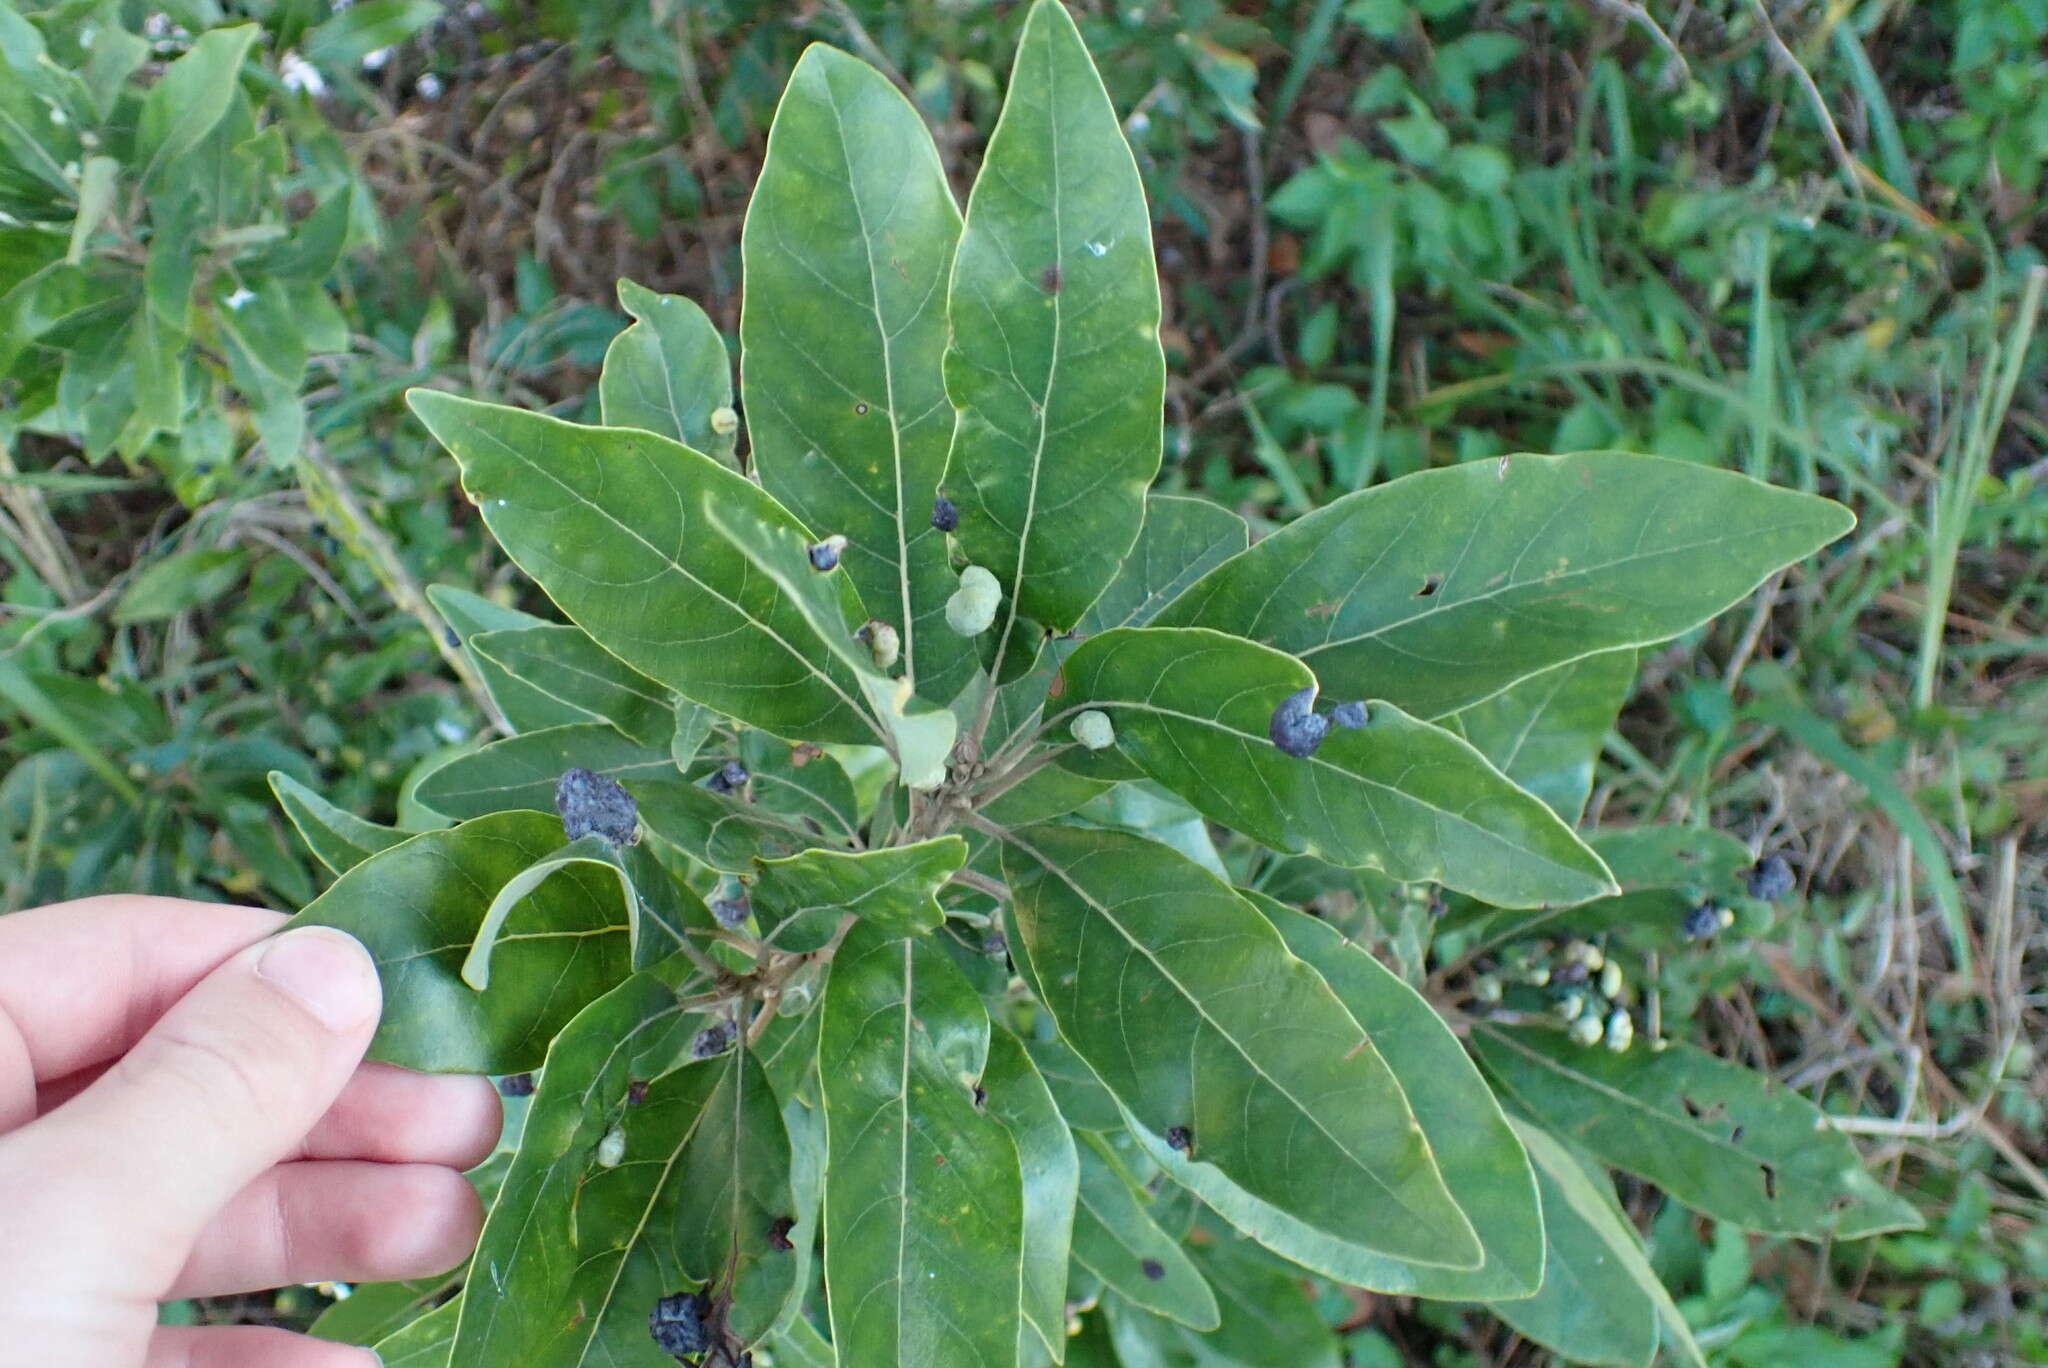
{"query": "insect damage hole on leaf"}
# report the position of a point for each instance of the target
(1430, 584)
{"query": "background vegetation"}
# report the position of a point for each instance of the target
(1801, 241)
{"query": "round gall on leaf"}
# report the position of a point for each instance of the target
(945, 515)
(884, 644)
(1350, 716)
(724, 421)
(677, 1324)
(713, 1040)
(973, 605)
(1094, 730)
(1621, 1031)
(1702, 921)
(825, 554)
(1587, 1030)
(1772, 878)
(611, 1151)
(1296, 727)
(591, 804)
(731, 777)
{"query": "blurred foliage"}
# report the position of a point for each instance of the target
(1795, 240)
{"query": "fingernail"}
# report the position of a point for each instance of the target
(328, 971)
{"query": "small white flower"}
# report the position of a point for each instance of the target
(429, 86)
(378, 60)
(242, 295)
(300, 74)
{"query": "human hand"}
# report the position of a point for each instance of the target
(184, 1113)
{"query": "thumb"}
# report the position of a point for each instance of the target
(220, 1089)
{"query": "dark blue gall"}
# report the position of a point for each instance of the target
(677, 1324)
(825, 556)
(945, 514)
(1296, 727)
(713, 1040)
(732, 912)
(731, 777)
(1772, 878)
(1350, 716)
(589, 803)
(1702, 921)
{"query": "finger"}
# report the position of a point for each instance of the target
(385, 1114)
(83, 980)
(17, 1077)
(227, 1083)
(248, 1346)
(334, 1222)
(395, 1116)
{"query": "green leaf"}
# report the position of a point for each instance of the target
(469, 616)
(918, 735)
(576, 1253)
(1596, 1304)
(1182, 540)
(96, 184)
(1019, 1098)
(725, 833)
(1442, 588)
(1054, 364)
(802, 1347)
(589, 850)
(1187, 1005)
(356, 32)
(1719, 1138)
(426, 1343)
(1664, 872)
(668, 372)
(1116, 1239)
(180, 583)
(1083, 1100)
(340, 840)
(590, 683)
(417, 906)
(924, 1221)
(520, 772)
(191, 96)
(1192, 708)
(375, 1311)
(1545, 732)
(1482, 1162)
(1267, 1319)
(848, 241)
(801, 898)
(605, 519)
(798, 785)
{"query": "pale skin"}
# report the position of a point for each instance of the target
(185, 1112)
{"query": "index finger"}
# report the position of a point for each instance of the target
(82, 981)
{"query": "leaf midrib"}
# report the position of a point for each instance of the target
(1103, 911)
(1437, 607)
(679, 568)
(1464, 823)
(1684, 1125)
